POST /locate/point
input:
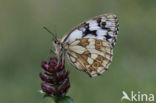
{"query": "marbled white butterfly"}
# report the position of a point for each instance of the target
(89, 45)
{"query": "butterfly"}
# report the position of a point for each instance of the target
(89, 46)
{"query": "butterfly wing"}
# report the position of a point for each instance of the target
(89, 46)
(104, 27)
(90, 55)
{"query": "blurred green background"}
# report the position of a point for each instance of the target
(24, 44)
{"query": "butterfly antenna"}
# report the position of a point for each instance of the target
(50, 32)
(55, 30)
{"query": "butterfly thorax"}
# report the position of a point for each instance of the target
(58, 48)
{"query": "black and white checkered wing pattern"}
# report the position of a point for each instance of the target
(104, 27)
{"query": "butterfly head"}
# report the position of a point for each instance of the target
(56, 42)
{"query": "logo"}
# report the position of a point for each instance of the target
(137, 97)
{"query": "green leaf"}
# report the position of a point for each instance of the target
(65, 99)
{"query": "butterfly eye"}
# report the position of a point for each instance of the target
(55, 41)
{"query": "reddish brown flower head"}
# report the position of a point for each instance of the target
(55, 80)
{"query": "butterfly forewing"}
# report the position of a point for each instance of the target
(89, 46)
(104, 27)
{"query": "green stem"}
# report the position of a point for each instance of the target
(65, 99)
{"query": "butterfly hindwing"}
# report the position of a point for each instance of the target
(90, 55)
